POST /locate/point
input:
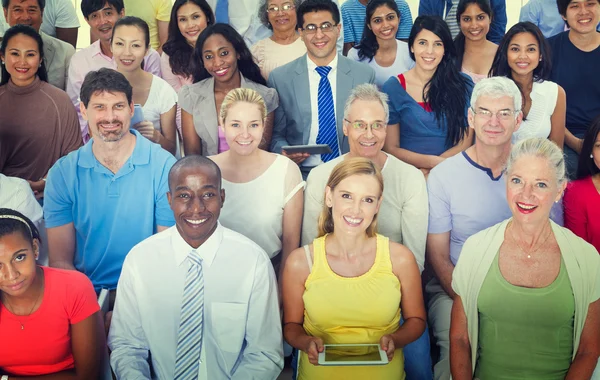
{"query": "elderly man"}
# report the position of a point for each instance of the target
(404, 209)
(214, 312)
(57, 53)
(467, 194)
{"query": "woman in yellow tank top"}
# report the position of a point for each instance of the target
(347, 287)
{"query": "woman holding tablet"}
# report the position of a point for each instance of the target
(350, 284)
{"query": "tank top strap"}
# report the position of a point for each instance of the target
(319, 265)
(383, 262)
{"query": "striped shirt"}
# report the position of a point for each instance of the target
(353, 20)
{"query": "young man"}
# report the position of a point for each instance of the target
(198, 298)
(575, 60)
(109, 195)
(313, 88)
(101, 15)
(57, 53)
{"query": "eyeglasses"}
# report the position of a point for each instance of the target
(362, 126)
(284, 8)
(503, 115)
(325, 28)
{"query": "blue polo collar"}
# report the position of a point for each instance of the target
(139, 156)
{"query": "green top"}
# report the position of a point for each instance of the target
(525, 333)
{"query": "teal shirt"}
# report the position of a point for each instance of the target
(525, 333)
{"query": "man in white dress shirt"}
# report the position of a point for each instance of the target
(240, 334)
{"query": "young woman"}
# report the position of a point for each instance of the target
(582, 199)
(188, 19)
(265, 191)
(130, 43)
(285, 44)
(379, 47)
(474, 53)
(38, 124)
(429, 103)
(50, 319)
(352, 285)
(524, 56)
(223, 63)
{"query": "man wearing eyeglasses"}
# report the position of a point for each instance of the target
(313, 88)
(467, 194)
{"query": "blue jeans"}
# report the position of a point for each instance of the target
(417, 358)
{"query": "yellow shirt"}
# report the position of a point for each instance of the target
(150, 11)
(352, 310)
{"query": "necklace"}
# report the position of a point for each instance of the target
(28, 314)
(534, 250)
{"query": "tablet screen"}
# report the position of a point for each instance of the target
(353, 353)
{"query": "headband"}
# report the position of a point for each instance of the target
(19, 219)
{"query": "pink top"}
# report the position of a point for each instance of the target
(223, 146)
(582, 210)
(176, 81)
(475, 77)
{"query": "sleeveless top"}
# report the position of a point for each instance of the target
(538, 123)
(352, 310)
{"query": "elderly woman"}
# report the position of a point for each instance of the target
(527, 289)
(285, 44)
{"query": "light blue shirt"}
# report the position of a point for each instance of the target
(111, 212)
(544, 14)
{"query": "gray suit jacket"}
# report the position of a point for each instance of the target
(57, 56)
(294, 115)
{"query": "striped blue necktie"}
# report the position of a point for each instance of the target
(222, 11)
(327, 126)
(189, 337)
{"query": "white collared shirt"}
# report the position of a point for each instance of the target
(313, 84)
(242, 327)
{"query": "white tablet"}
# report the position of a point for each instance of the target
(352, 354)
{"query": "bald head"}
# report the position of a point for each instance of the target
(199, 163)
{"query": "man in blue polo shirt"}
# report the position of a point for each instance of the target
(110, 194)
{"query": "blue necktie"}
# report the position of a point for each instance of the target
(222, 11)
(327, 126)
(189, 336)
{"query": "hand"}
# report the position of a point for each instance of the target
(387, 344)
(296, 157)
(578, 146)
(146, 129)
(38, 188)
(435, 160)
(425, 172)
(314, 346)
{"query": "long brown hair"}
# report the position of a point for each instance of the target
(343, 170)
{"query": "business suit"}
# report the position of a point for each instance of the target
(293, 117)
(57, 56)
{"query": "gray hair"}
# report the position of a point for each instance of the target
(542, 148)
(497, 87)
(367, 92)
(263, 14)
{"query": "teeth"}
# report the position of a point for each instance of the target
(352, 220)
(223, 71)
(127, 61)
(245, 142)
(428, 59)
(526, 207)
(196, 222)
(367, 144)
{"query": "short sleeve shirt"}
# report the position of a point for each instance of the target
(111, 212)
(150, 11)
(58, 14)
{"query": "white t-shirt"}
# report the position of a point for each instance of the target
(161, 99)
(539, 120)
(59, 14)
(16, 194)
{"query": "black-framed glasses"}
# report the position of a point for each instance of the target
(503, 115)
(284, 8)
(325, 27)
(360, 125)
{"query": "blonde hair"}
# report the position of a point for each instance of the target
(242, 94)
(343, 170)
(542, 148)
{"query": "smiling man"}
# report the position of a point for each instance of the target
(313, 88)
(214, 290)
(109, 195)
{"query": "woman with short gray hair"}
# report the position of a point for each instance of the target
(527, 289)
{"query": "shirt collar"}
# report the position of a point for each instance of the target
(208, 250)
(312, 66)
(139, 156)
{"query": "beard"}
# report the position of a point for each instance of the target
(109, 136)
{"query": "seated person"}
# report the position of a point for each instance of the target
(57, 53)
(16, 194)
(379, 47)
(51, 323)
(130, 44)
(101, 16)
(219, 314)
(447, 9)
(578, 48)
(467, 193)
(545, 102)
(38, 124)
(156, 13)
(109, 195)
(429, 103)
(582, 198)
(313, 88)
(264, 190)
(354, 14)
(351, 284)
(285, 44)
(226, 64)
(527, 290)
(474, 53)
(403, 213)
(60, 20)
